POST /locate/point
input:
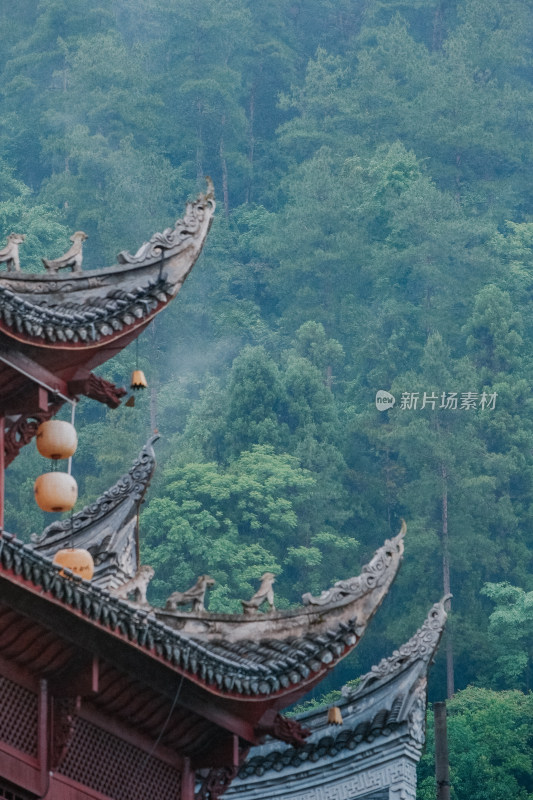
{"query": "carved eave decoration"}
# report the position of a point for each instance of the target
(283, 666)
(350, 603)
(420, 649)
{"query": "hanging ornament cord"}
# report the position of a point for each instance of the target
(72, 418)
(69, 471)
(71, 545)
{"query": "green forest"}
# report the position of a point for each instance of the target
(372, 164)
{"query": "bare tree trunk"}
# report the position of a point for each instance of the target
(450, 687)
(458, 178)
(442, 766)
(437, 29)
(199, 146)
(153, 409)
(224, 165)
(154, 388)
(251, 144)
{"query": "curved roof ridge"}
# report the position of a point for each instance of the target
(420, 647)
(350, 602)
(371, 576)
(198, 660)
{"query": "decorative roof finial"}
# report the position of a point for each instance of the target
(194, 595)
(72, 258)
(136, 586)
(373, 575)
(10, 254)
(265, 592)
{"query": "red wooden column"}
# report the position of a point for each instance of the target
(187, 781)
(43, 737)
(2, 472)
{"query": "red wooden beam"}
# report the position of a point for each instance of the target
(18, 674)
(37, 374)
(130, 734)
(73, 627)
(79, 677)
(20, 769)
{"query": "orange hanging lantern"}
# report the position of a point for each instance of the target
(138, 381)
(55, 491)
(56, 439)
(334, 716)
(76, 560)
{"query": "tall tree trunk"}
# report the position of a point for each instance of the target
(251, 144)
(458, 178)
(442, 766)
(224, 165)
(450, 687)
(438, 32)
(199, 146)
(153, 409)
(154, 382)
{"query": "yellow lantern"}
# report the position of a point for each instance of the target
(55, 491)
(138, 381)
(56, 439)
(76, 560)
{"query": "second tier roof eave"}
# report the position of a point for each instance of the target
(261, 666)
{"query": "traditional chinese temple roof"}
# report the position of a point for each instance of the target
(55, 328)
(351, 602)
(72, 614)
(377, 744)
(149, 695)
(258, 666)
(348, 606)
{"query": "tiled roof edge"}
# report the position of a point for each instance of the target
(188, 655)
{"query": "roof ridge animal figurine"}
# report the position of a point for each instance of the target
(72, 258)
(10, 254)
(265, 592)
(194, 595)
(136, 586)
